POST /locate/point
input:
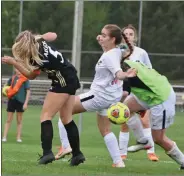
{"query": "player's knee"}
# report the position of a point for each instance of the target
(19, 121)
(9, 120)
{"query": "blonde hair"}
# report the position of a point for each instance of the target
(130, 26)
(26, 50)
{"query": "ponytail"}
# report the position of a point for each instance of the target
(130, 47)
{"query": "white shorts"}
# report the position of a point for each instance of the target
(93, 102)
(162, 115)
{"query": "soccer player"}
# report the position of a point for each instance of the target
(106, 88)
(150, 90)
(33, 54)
(141, 55)
(18, 97)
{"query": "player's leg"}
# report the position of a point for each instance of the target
(52, 104)
(147, 132)
(77, 108)
(72, 131)
(20, 111)
(123, 140)
(19, 126)
(162, 116)
(7, 125)
(10, 113)
(65, 148)
(110, 139)
(135, 124)
(124, 130)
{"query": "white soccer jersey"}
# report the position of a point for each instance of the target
(105, 83)
(141, 55)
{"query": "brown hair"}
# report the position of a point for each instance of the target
(130, 26)
(114, 31)
(26, 49)
(129, 46)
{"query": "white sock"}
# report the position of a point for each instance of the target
(113, 148)
(147, 133)
(176, 155)
(134, 123)
(63, 134)
(123, 142)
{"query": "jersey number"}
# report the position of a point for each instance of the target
(55, 54)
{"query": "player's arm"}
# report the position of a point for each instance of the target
(20, 67)
(123, 75)
(27, 73)
(49, 36)
(28, 93)
(113, 64)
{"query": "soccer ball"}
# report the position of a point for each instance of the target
(5, 89)
(118, 113)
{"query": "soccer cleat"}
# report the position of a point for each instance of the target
(19, 140)
(76, 160)
(140, 146)
(182, 168)
(153, 157)
(45, 159)
(123, 157)
(121, 164)
(4, 140)
(63, 152)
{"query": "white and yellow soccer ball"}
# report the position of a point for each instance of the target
(118, 113)
(4, 90)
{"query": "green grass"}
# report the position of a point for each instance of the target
(21, 158)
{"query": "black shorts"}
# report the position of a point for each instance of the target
(14, 105)
(70, 87)
(126, 86)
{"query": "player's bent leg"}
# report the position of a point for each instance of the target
(72, 131)
(123, 140)
(48, 112)
(65, 148)
(169, 146)
(143, 143)
(78, 107)
(110, 139)
(135, 124)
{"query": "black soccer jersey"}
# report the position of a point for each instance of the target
(59, 70)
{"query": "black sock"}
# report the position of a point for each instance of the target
(73, 137)
(46, 136)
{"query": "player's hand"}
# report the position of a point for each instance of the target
(8, 60)
(131, 72)
(24, 107)
(98, 37)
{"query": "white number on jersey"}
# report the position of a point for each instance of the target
(55, 54)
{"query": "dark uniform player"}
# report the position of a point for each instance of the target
(33, 53)
(62, 73)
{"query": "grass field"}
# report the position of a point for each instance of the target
(21, 158)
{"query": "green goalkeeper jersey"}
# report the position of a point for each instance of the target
(149, 86)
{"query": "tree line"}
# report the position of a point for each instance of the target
(162, 28)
